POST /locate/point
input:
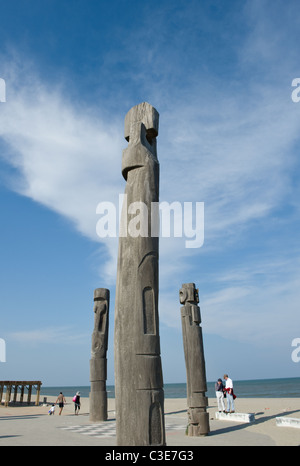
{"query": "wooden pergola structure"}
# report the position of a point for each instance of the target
(12, 386)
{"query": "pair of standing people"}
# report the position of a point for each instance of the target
(61, 402)
(222, 391)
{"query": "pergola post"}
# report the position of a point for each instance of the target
(29, 394)
(38, 390)
(1, 392)
(22, 394)
(8, 394)
(16, 393)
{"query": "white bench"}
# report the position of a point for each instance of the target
(236, 417)
(288, 422)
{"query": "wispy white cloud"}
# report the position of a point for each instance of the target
(53, 335)
(65, 155)
(256, 302)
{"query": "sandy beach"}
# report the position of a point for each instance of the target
(32, 426)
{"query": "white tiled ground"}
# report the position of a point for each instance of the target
(108, 429)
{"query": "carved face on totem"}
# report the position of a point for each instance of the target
(189, 293)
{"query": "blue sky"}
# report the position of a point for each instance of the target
(219, 73)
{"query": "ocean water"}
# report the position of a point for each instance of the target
(264, 388)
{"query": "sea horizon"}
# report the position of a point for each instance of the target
(253, 388)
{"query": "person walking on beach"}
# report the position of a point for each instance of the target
(219, 387)
(76, 400)
(230, 396)
(60, 400)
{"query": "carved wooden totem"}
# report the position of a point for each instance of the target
(98, 362)
(194, 359)
(138, 371)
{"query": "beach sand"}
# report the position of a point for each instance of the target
(32, 426)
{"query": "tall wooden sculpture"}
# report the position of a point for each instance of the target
(98, 362)
(194, 359)
(138, 371)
